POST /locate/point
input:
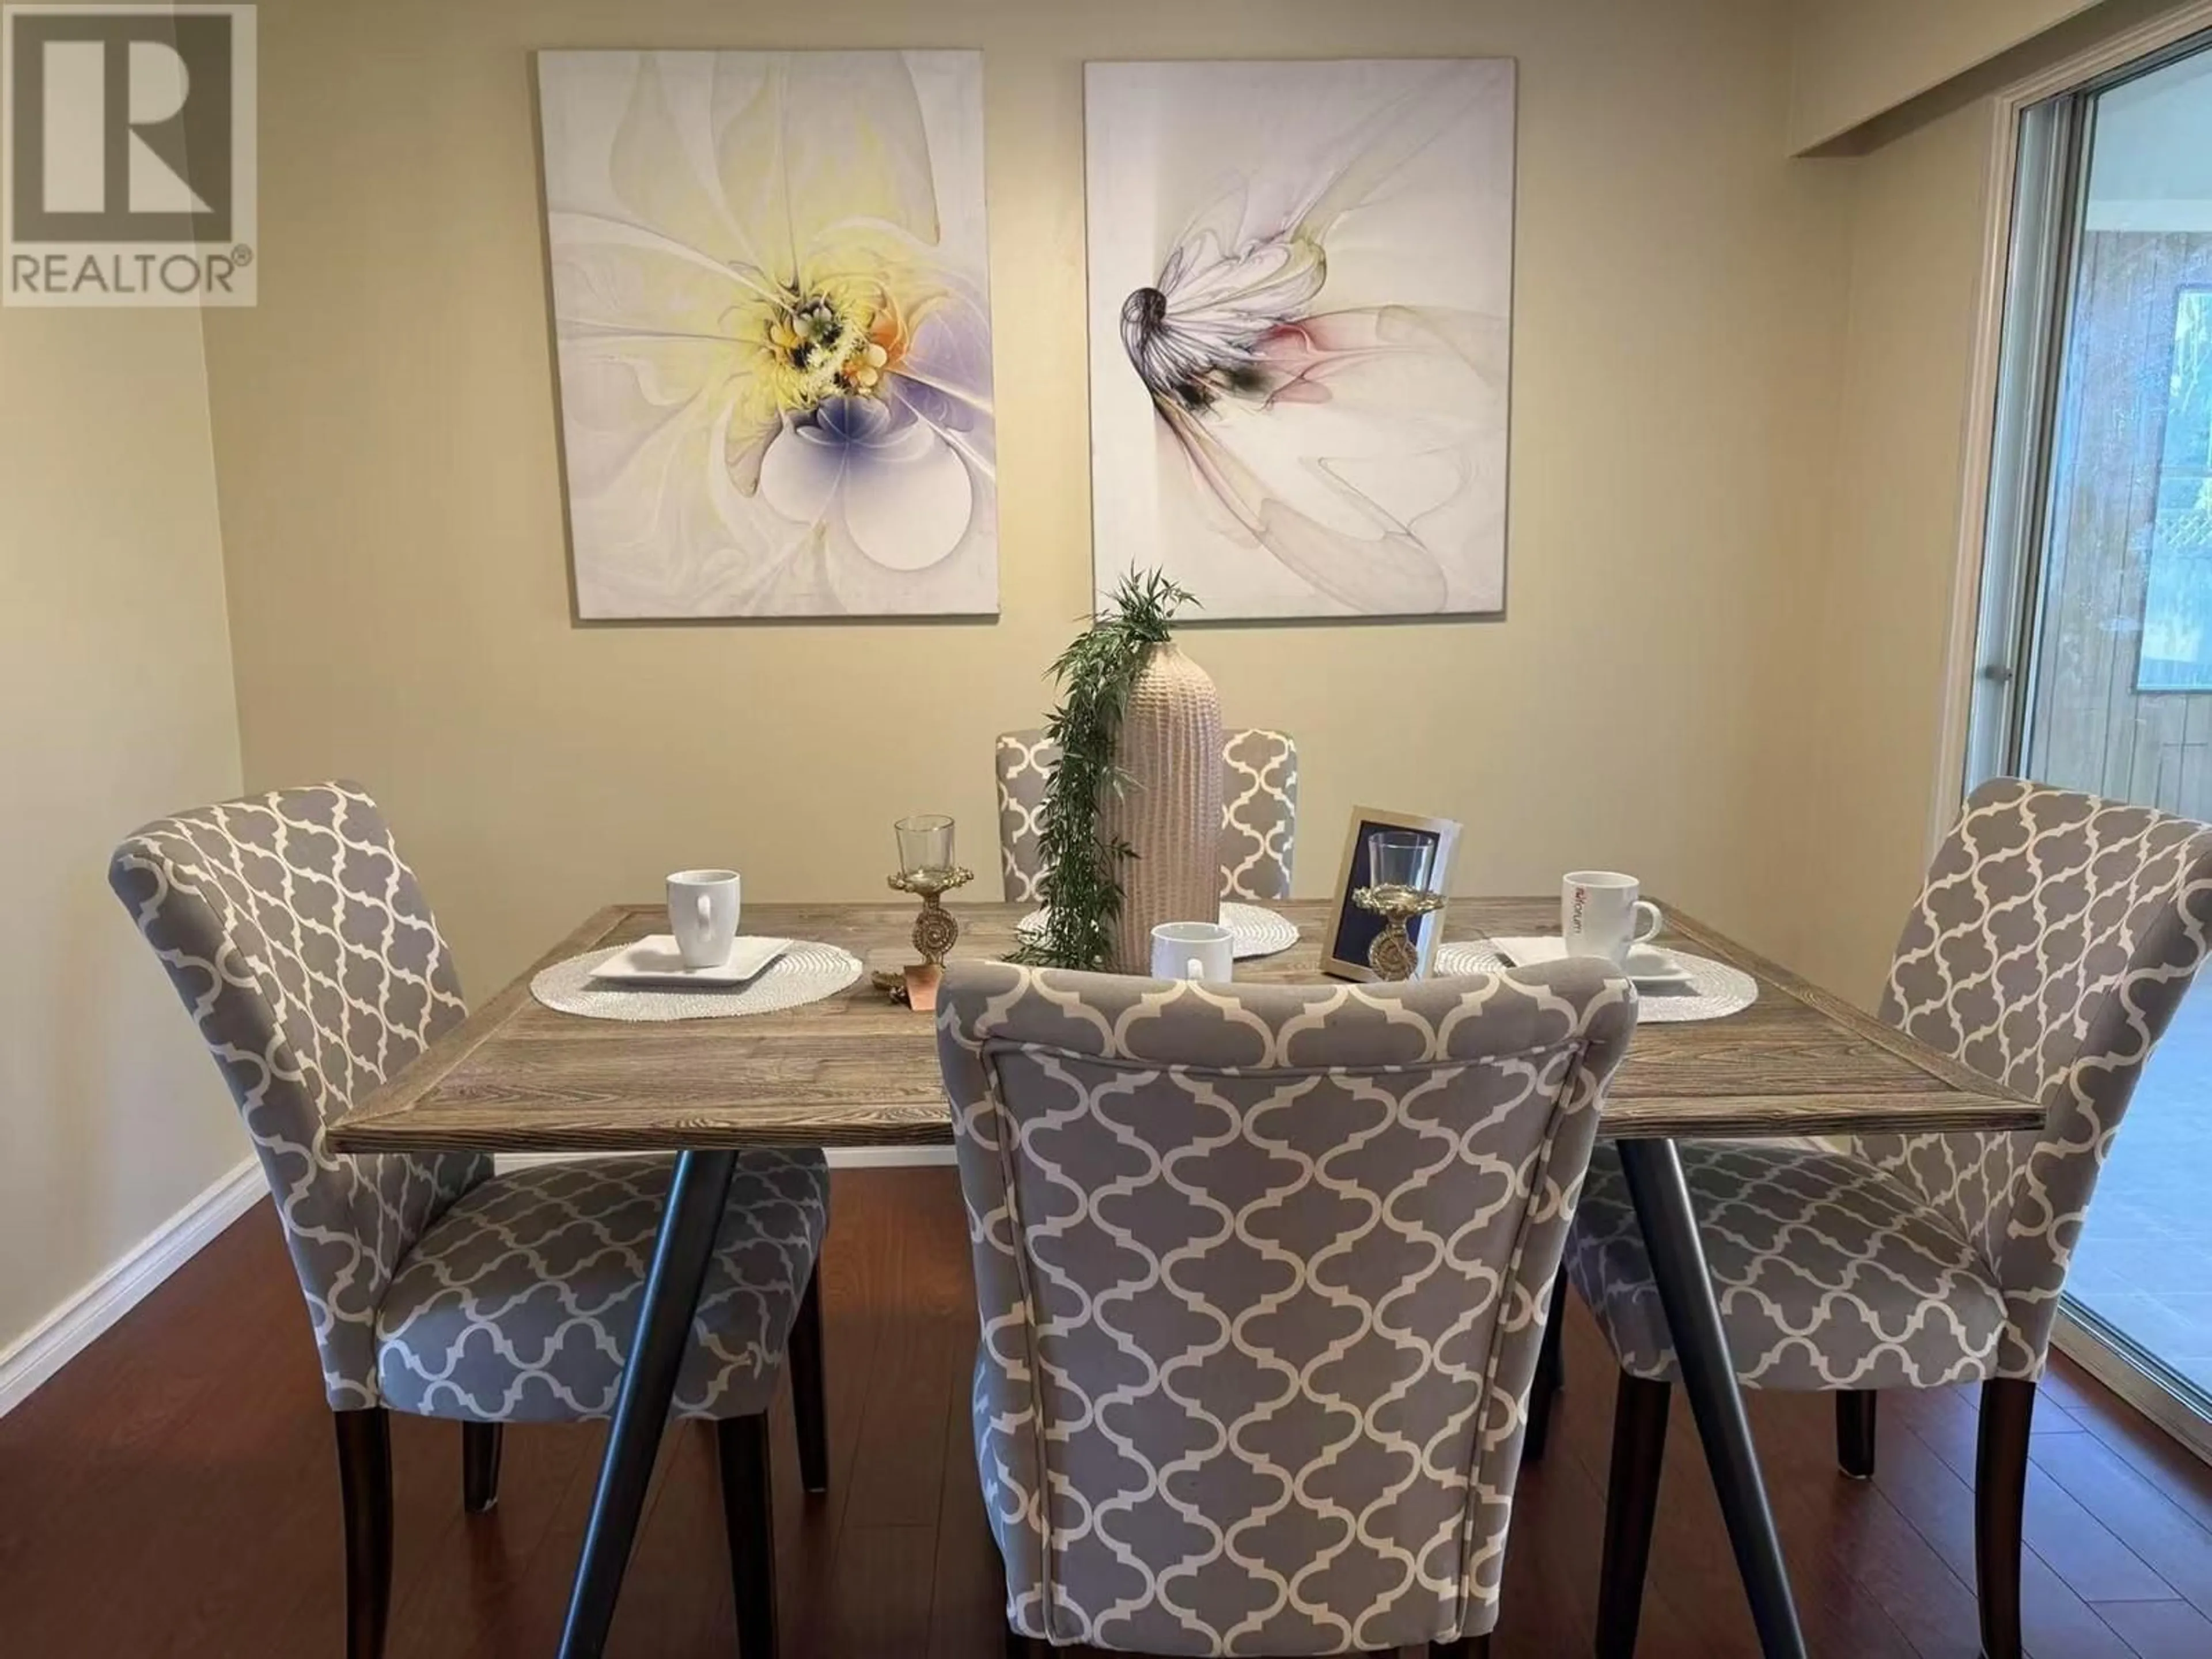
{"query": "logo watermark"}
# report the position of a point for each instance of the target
(127, 155)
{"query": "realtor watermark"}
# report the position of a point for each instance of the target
(127, 155)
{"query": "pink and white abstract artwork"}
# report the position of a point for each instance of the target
(1301, 281)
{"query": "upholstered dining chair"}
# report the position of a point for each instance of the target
(304, 949)
(1259, 812)
(2055, 936)
(1262, 1270)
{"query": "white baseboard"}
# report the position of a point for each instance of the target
(840, 1158)
(70, 1329)
(882, 1158)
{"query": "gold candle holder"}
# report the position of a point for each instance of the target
(935, 933)
(1393, 954)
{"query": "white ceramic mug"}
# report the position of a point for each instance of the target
(702, 913)
(1194, 949)
(1600, 914)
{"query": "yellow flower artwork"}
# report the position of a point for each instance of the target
(773, 325)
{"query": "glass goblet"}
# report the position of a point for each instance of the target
(1400, 861)
(1400, 887)
(924, 844)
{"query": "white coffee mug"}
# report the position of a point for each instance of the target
(702, 913)
(1600, 911)
(1194, 949)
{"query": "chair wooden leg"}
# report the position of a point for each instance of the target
(747, 1514)
(480, 1443)
(1467, 1647)
(809, 1410)
(1023, 1647)
(1855, 1438)
(1999, 1499)
(1631, 1509)
(1551, 1377)
(364, 1492)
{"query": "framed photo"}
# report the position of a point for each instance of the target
(1344, 953)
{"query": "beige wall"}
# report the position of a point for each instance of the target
(115, 704)
(1876, 602)
(1853, 59)
(398, 571)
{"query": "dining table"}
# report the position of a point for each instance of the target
(857, 1069)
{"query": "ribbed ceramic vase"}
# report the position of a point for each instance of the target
(1170, 809)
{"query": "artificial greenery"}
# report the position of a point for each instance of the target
(1082, 880)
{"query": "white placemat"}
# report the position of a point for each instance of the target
(1255, 930)
(806, 973)
(1718, 990)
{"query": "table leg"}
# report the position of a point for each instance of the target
(1662, 1198)
(696, 1196)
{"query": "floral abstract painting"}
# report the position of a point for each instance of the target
(773, 327)
(1301, 316)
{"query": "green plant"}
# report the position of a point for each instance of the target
(1082, 882)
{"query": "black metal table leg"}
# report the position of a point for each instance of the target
(697, 1196)
(1662, 1198)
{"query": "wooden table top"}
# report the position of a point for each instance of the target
(859, 1070)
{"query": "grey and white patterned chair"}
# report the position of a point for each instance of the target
(304, 949)
(1259, 812)
(1023, 767)
(1262, 1273)
(2054, 938)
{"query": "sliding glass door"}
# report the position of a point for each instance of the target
(2095, 668)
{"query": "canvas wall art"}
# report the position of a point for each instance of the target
(1301, 315)
(773, 329)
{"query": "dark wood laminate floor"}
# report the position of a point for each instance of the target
(173, 1494)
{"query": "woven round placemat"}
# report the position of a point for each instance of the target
(806, 973)
(1255, 930)
(1716, 991)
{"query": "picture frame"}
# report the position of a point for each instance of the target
(769, 277)
(1351, 930)
(1300, 280)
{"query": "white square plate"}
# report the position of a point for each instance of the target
(655, 960)
(1647, 963)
